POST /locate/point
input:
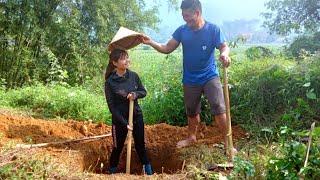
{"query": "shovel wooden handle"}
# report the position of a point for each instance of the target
(229, 147)
(129, 140)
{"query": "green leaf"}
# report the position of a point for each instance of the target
(287, 117)
(307, 84)
(302, 133)
(284, 130)
(311, 95)
(316, 132)
(267, 130)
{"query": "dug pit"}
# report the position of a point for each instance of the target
(94, 156)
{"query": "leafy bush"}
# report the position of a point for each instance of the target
(304, 44)
(275, 92)
(243, 169)
(3, 99)
(258, 52)
(290, 163)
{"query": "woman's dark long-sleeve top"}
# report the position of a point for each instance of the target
(117, 89)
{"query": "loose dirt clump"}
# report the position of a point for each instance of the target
(93, 156)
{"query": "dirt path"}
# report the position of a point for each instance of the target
(94, 156)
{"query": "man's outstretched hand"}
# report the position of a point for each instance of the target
(145, 39)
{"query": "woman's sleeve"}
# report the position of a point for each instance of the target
(110, 101)
(141, 91)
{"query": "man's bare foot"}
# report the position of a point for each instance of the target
(186, 142)
(234, 152)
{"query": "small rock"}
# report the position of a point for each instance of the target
(99, 125)
(84, 130)
(14, 158)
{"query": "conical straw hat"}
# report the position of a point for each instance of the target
(125, 39)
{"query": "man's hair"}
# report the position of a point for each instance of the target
(191, 4)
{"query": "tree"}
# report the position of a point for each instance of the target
(64, 38)
(287, 16)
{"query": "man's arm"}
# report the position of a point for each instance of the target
(224, 54)
(171, 45)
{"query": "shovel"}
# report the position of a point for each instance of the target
(129, 140)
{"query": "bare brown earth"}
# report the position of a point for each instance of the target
(93, 156)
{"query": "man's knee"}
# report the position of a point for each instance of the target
(217, 109)
(220, 116)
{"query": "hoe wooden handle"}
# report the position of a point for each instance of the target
(86, 139)
(229, 147)
(129, 142)
(309, 144)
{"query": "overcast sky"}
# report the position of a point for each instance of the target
(217, 11)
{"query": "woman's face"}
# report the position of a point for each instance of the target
(123, 62)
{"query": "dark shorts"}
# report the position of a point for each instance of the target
(212, 90)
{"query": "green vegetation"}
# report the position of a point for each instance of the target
(289, 163)
(161, 75)
(66, 38)
(58, 101)
(258, 52)
(304, 46)
(285, 16)
(271, 93)
(273, 89)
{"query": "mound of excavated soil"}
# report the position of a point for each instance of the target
(93, 156)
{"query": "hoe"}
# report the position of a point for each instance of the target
(229, 146)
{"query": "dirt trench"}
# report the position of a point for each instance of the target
(93, 156)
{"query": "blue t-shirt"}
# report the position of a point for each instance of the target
(199, 64)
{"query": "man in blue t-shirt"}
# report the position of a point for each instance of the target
(199, 40)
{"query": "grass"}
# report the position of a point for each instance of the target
(59, 102)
